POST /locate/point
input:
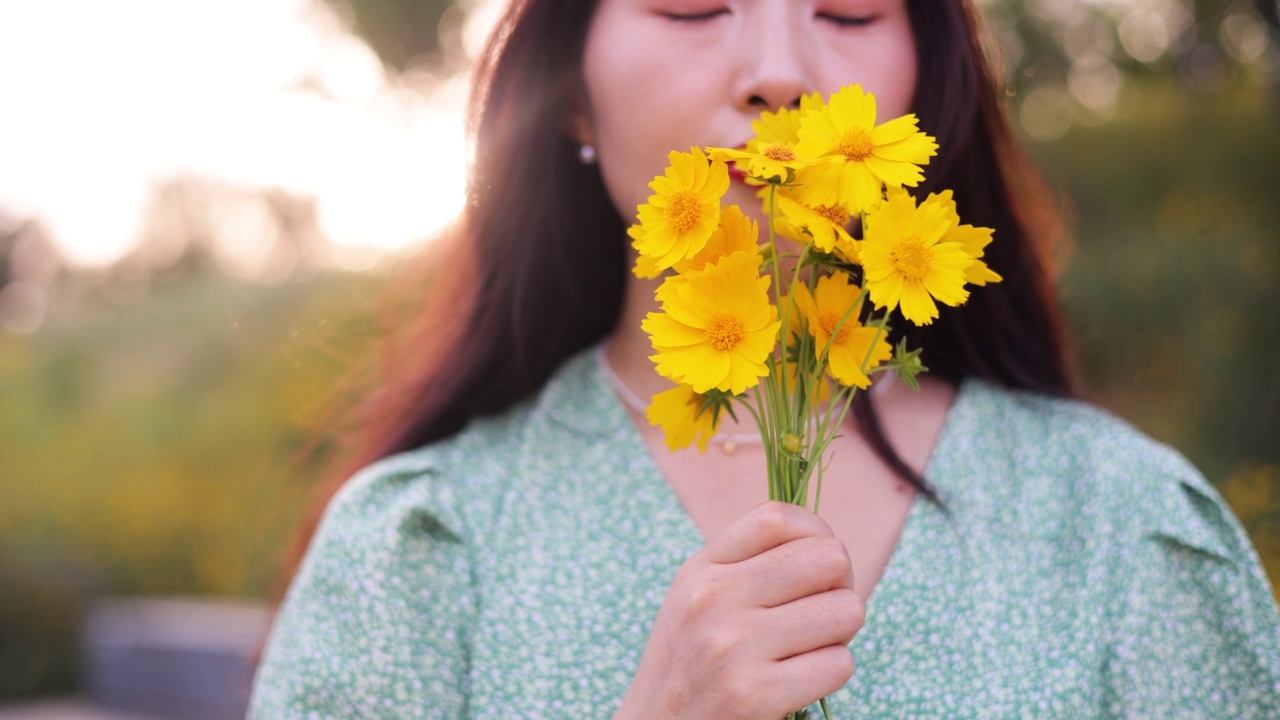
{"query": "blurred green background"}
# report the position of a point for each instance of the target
(151, 421)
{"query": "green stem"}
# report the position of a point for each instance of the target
(773, 245)
(799, 413)
(762, 422)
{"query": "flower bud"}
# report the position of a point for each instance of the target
(791, 443)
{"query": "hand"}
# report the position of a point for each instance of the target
(755, 625)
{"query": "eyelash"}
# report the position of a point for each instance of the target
(697, 17)
(837, 20)
(847, 22)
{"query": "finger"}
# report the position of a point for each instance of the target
(767, 526)
(803, 679)
(804, 566)
(812, 622)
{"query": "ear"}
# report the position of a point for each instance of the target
(577, 119)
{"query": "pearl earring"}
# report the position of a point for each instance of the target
(587, 154)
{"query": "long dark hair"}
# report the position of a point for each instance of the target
(533, 276)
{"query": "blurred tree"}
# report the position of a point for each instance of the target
(1082, 53)
(29, 265)
(149, 444)
(1175, 270)
(400, 31)
(26, 252)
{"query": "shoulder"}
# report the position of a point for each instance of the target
(1162, 553)
(395, 552)
(455, 487)
(446, 488)
(1056, 431)
(1053, 466)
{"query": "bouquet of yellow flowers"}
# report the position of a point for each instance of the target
(734, 312)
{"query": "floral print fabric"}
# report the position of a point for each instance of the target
(514, 570)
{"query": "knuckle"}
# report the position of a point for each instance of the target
(832, 557)
(703, 598)
(833, 668)
(824, 528)
(774, 517)
(859, 611)
(847, 611)
(842, 665)
(687, 573)
(718, 645)
(742, 695)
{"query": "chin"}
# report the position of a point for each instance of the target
(744, 196)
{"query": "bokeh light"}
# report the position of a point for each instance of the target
(107, 102)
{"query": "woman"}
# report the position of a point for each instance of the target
(527, 547)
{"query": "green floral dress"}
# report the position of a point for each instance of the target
(515, 570)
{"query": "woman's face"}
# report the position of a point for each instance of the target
(663, 75)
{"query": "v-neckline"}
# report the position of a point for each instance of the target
(920, 507)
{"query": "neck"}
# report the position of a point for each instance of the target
(628, 349)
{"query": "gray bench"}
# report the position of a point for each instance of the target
(172, 657)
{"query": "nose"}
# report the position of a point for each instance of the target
(773, 68)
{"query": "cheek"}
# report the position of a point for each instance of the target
(618, 118)
(898, 93)
(900, 73)
(627, 187)
(884, 63)
(634, 125)
(643, 100)
(621, 142)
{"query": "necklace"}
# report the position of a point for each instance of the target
(728, 442)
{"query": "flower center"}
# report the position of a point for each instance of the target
(780, 151)
(856, 144)
(910, 258)
(724, 332)
(828, 322)
(836, 214)
(682, 210)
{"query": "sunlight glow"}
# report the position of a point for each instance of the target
(104, 101)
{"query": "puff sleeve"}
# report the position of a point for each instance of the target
(1197, 632)
(376, 621)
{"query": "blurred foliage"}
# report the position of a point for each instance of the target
(1089, 45)
(148, 449)
(1173, 281)
(402, 32)
(1175, 271)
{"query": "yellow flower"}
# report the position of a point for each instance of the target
(716, 328)
(834, 299)
(905, 261)
(795, 326)
(646, 267)
(860, 155)
(682, 417)
(825, 225)
(772, 150)
(679, 218)
(972, 239)
(736, 233)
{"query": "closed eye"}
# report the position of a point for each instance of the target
(847, 21)
(696, 17)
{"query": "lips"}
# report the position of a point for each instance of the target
(735, 174)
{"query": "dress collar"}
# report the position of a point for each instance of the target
(578, 397)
